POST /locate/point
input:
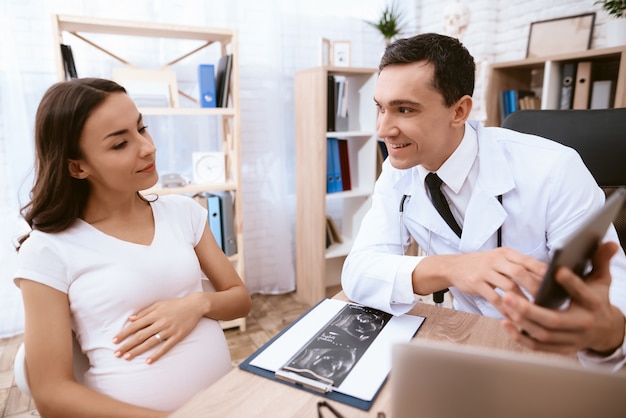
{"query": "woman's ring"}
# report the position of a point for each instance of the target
(158, 337)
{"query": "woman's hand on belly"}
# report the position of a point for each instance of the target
(160, 326)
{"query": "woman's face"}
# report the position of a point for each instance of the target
(118, 154)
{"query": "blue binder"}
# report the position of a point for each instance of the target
(229, 242)
(206, 83)
(337, 166)
(330, 173)
(335, 183)
(215, 218)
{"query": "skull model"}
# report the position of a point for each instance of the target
(456, 18)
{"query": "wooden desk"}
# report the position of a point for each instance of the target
(244, 394)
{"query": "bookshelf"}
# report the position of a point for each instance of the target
(318, 267)
(208, 43)
(543, 75)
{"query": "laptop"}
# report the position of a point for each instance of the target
(443, 380)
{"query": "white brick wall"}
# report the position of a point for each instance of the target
(498, 30)
(276, 38)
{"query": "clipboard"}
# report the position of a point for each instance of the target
(283, 343)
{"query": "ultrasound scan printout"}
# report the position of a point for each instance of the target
(332, 353)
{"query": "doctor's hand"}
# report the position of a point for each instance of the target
(480, 273)
(160, 326)
(590, 322)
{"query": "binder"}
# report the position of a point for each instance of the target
(206, 85)
(331, 102)
(222, 79)
(68, 62)
(583, 85)
(344, 162)
(568, 76)
(337, 182)
(513, 98)
(505, 103)
(330, 168)
(214, 209)
(341, 104)
(601, 94)
(319, 317)
(227, 226)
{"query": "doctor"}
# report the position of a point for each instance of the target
(515, 197)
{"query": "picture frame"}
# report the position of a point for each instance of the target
(341, 54)
(560, 36)
(325, 52)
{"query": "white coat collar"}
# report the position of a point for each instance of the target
(484, 214)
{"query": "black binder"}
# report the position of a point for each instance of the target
(222, 79)
(568, 81)
(331, 102)
(68, 62)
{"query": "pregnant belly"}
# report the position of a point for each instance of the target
(189, 367)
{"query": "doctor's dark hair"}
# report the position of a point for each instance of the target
(454, 68)
(57, 199)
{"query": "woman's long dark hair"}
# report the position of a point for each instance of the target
(57, 198)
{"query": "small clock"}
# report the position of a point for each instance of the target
(209, 167)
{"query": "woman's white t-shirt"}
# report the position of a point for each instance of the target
(107, 280)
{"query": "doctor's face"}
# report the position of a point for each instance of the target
(413, 119)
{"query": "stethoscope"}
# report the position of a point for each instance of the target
(403, 202)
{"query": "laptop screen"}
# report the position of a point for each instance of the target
(443, 380)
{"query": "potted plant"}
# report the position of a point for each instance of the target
(615, 8)
(390, 24)
(616, 25)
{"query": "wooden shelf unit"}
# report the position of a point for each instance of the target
(318, 267)
(226, 40)
(607, 63)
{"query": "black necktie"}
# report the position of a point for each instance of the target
(440, 203)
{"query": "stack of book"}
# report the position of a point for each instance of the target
(333, 236)
(514, 100)
(337, 105)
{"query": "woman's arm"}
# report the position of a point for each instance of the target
(174, 319)
(231, 298)
(49, 362)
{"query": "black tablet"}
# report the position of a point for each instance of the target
(578, 250)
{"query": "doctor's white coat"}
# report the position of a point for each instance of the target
(547, 193)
